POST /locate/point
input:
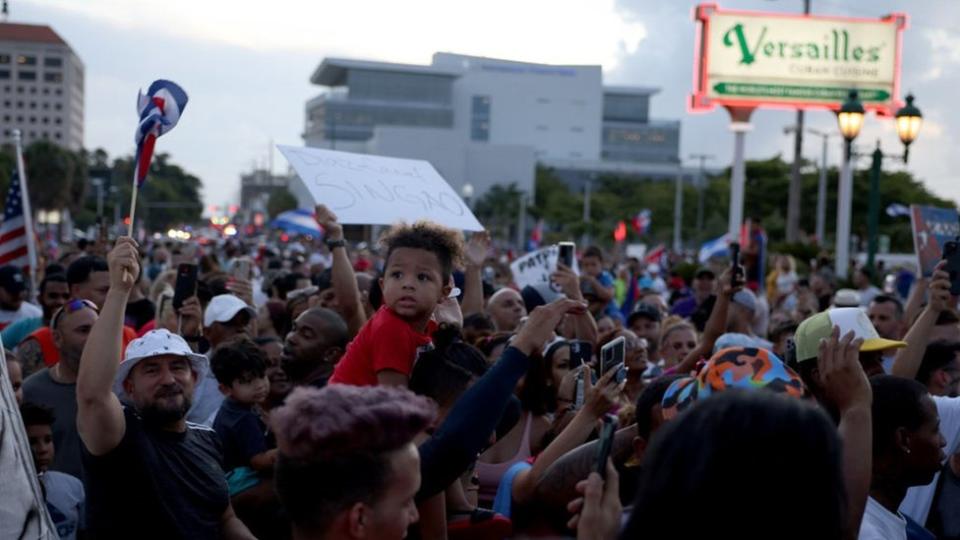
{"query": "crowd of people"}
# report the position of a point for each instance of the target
(317, 390)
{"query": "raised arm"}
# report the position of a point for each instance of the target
(847, 389)
(477, 249)
(99, 413)
(342, 278)
(716, 324)
(909, 358)
(582, 326)
(915, 301)
(600, 398)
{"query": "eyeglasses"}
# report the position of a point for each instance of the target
(72, 306)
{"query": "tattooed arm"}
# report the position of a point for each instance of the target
(30, 356)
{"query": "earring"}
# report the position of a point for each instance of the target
(907, 450)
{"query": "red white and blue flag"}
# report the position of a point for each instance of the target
(641, 222)
(160, 109)
(13, 230)
(536, 236)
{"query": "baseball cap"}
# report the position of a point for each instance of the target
(224, 307)
(819, 326)
(742, 368)
(155, 343)
(11, 279)
(746, 298)
(645, 310)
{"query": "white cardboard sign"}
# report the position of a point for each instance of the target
(535, 267)
(376, 190)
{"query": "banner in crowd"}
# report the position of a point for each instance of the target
(932, 226)
(718, 247)
(535, 268)
(375, 190)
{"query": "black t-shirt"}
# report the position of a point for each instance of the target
(156, 484)
(139, 313)
(242, 433)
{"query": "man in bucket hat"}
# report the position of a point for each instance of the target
(148, 472)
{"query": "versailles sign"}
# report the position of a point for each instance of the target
(753, 59)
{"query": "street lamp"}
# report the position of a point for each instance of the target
(467, 192)
(850, 119)
(909, 121)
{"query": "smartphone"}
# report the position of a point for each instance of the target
(580, 353)
(578, 397)
(612, 354)
(567, 250)
(165, 305)
(605, 445)
(186, 284)
(241, 269)
(951, 254)
(737, 274)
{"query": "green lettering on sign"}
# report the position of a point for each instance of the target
(824, 93)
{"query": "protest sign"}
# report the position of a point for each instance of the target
(932, 227)
(535, 267)
(376, 190)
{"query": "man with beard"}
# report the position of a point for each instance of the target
(148, 472)
(314, 346)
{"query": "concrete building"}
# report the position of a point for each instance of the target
(41, 86)
(256, 187)
(483, 121)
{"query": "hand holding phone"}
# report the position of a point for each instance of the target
(737, 274)
(612, 354)
(951, 254)
(605, 445)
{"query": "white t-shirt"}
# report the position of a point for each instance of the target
(26, 311)
(881, 524)
(919, 498)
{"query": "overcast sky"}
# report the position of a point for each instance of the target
(246, 66)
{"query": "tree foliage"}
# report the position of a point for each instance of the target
(616, 198)
(280, 201)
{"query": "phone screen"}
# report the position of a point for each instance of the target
(951, 253)
(737, 274)
(580, 353)
(565, 256)
(186, 284)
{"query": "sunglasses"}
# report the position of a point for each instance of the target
(72, 306)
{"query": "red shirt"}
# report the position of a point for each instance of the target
(386, 341)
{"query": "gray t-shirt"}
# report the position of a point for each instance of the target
(40, 388)
(65, 501)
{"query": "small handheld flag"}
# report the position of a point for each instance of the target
(159, 109)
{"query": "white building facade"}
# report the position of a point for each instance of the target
(483, 121)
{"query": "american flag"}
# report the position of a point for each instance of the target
(13, 231)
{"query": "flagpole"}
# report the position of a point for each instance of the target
(27, 215)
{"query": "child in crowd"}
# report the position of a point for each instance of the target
(416, 278)
(241, 371)
(63, 493)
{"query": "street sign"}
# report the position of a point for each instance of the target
(755, 59)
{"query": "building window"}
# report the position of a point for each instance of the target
(53, 77)
(480, 118)
(19, 89)
(4, 73)
(56, 136)
(577, 129)
(25, 60)
(19, 104)
(19, 119)
(57, 121)
(33, 90)
(45, 135)
(52, 61)
(57, 106)
(46, 91)
(33, 104)
(45, 120)
(6, 118)
(58, 92)
(33, 119)
(27, 75)
(4, 58)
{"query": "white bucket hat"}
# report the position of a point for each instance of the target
(155, 343)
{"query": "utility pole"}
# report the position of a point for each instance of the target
(793, 201)
(701, 185)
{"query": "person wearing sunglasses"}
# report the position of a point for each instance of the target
(55, 387)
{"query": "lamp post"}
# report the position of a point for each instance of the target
(467, 192)
(850, 119)
(822, 182)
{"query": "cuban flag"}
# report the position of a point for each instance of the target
(299, 221)
(898, 210)
(641, 221)
(159, 109)
(718, 247)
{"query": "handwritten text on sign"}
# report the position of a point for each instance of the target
(535, 268)
(366, 189)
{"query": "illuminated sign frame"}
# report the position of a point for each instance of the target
(768, 91)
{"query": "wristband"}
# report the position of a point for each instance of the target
(333, 244)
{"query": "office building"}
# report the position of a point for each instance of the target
(484, 121)
(41, 86)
